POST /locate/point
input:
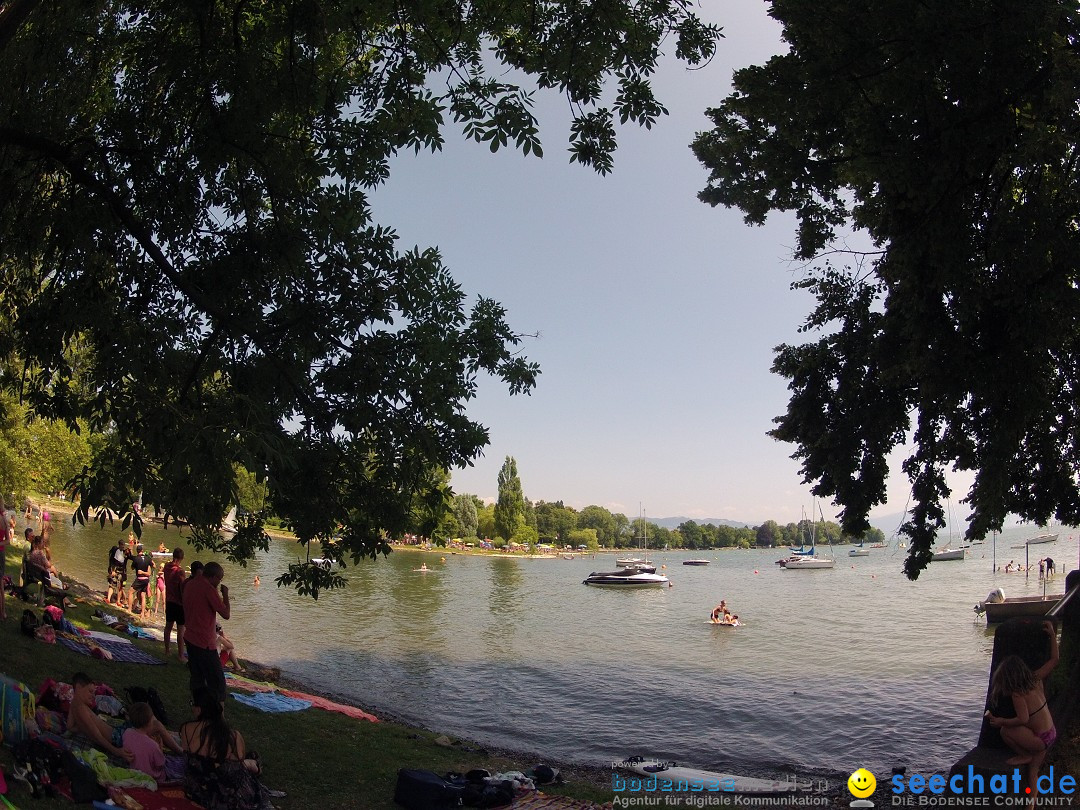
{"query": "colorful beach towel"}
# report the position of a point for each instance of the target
(164, 798)
(249, 685)
(542, 801)
(272, 702)
(120, 649)
(332, 706)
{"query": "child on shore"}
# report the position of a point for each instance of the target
(1031, 732)
(142, 739)
(159, 600)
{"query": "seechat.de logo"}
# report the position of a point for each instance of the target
(861, 784)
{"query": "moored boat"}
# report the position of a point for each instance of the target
(999, 611)
(948, 554)
(796, 563)
(633, 572)
(695, 562)
(625, 578)
(1042, 538)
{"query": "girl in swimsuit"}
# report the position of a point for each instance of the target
(1032, 730)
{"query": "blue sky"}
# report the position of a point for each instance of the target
(656, 314)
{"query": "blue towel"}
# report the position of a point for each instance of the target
(273, 702)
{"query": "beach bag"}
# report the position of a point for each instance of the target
(425, 790)
(488, 794)
(29, 623)
(149, 695)
(17, 709)
(84, 782)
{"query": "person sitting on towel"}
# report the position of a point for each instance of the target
(220, 771)
(82, 720)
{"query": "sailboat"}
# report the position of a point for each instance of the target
(807, 559)
(228, 523)
(639, 575)
(858, 550)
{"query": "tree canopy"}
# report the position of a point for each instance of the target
(943, 136)
(186, 199)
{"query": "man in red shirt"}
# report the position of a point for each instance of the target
(202, 605)
(174, 607)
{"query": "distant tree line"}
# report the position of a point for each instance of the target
(514, 518)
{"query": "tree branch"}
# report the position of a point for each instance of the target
(12, 16)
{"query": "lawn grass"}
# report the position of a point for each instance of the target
(321, 759)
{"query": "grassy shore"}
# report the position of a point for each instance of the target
(319, 758)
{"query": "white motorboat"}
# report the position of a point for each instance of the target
(633, 572)
(695, 562)
(626, 578)
(1042, 538)
(948, 554)
(807, 562)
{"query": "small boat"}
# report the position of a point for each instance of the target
(948, 554)
(228, 523)
(858, 551)
(631, 567)
(625, 578)
(1042, 538)
(693, 780)
(795, 563)
(807, 559)
(997, 608)
(695, 562)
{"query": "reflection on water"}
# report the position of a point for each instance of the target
(833, 670)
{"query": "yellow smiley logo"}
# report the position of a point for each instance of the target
(861, 783)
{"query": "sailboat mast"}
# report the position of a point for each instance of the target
(645, 535)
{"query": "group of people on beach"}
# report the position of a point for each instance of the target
(206, 754)
(145, 595)
(37, 564)
(210, 757)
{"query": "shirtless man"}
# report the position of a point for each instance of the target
(83, 720)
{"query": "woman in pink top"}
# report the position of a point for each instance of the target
(159, 602)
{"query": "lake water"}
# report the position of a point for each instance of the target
(833, 669)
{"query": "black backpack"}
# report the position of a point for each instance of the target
(29, 623)
(149, 695)
(84, 784)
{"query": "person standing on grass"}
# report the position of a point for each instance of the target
(117, 573)
(174, 606)
(159, 598)
(202, 605)
(141, 566)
